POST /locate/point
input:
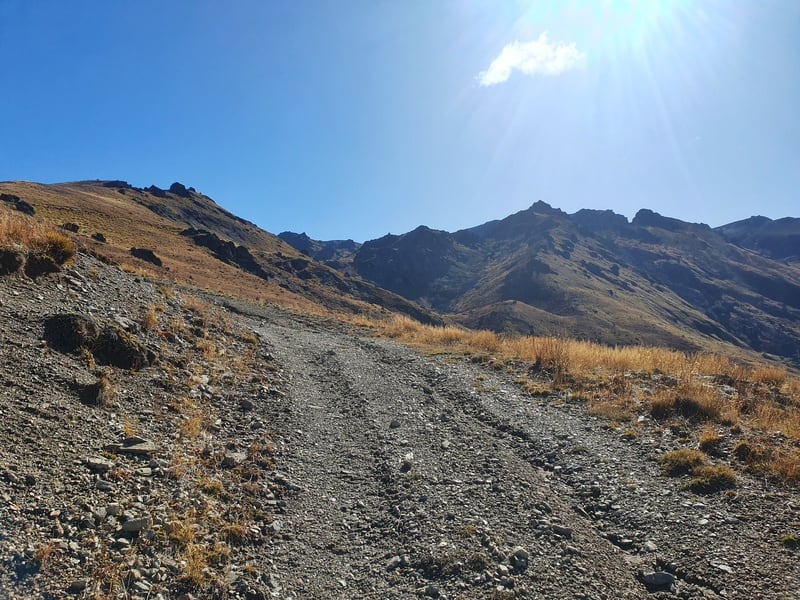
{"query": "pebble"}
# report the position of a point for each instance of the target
(233, 459)
(658, 579)
(99, 465)
(136, 525)
(77, 586)
(562, 531)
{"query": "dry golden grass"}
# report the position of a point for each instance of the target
(709, 439)
(707, 479)
(680, 462)
(578, 358)
(620, 383)
(149, 318)
(24, 232)
(769, 375)
(690, 400)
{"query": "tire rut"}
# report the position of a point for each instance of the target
(407, 491)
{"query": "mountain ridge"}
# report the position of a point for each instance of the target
(593, 274)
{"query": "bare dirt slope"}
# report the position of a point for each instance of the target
(258, 454)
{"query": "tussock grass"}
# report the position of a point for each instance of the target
(583, 359)
(680, 462)
(699, 391)
(20, 231)
(707, 479)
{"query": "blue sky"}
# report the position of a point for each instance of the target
(356, 119)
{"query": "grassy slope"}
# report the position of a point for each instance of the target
(138, 219)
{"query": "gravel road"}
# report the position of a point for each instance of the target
(414, 475)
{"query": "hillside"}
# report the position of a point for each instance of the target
(778, 239)
(594, 275)
(159, 444)
(184, 235)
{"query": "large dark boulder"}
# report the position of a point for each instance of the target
(11, 261)
(180, 190)
(156, 191)
(146, 255)
(70, 332)
(109, 344)
(18, 203)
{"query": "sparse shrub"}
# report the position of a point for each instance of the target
(212, 487)
(207, 347)
(688, 400)
(195, 560)
(249, 337)
(193, 425)
(57, 246)
(235, 533)
(709, 440)
(479, 562)
(149, 318)
(711, 478)
(680, 462)
(130, 427)
(786, 464)
(615, 408)
(102, 392)
(45, 554)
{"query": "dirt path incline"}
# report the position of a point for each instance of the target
(435, 477)
(405, 486)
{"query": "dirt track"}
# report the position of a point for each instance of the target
(420, 475)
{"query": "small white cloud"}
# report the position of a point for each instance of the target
(539, 57)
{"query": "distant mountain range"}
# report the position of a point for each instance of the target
(590, 275)
(595, 275)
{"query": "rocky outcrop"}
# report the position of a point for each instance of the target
(226, 251)
(156, 191)
(337, 253)
(108, 343)
(779, 239)
(17, 203)
(147, 255)
(180, 190)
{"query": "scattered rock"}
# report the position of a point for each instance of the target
(73, 227)
(39, 264)
(134, 445)
(69, 332)
(99, 237)
(562, 531)
(11, 260)
(99, 465)
(519, 558)
(658, 579)
(77, 586)
(233, 459)
(180, 190)
(137, 525)
(156, 191)
(18, 203)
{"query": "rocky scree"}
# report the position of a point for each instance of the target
(135, 459)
